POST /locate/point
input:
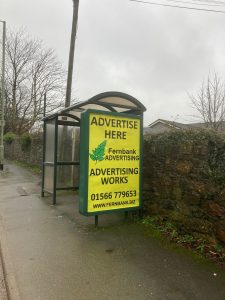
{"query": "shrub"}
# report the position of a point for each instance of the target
(9, 137)
(25, 141)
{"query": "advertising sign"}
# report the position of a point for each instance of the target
(110, 175)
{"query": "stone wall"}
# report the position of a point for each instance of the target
(31, 154)
(184, 181)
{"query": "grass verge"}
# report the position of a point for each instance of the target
(161, 229)
(33, 168)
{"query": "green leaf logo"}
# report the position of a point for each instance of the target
(98, 153)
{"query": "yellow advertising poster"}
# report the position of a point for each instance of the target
(113, 162)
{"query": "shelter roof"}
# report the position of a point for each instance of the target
(108, 101)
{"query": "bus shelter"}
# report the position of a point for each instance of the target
(61, 139)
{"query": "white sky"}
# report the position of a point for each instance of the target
(155, 54)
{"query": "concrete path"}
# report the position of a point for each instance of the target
(53, 253)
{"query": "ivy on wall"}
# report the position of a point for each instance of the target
(184, 180)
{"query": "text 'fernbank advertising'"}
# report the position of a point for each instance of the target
(113, 169)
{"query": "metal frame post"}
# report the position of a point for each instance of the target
(44, 150)
(141, 185)
(43, 160)
(55, 161)
(96, 220)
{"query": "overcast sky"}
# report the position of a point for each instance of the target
(156, 54)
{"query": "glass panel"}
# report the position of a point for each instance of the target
(95, 106)
(50, 141)
(120, 109)
(118, 100)
(68, 176)
(68, 143)
(49, 177)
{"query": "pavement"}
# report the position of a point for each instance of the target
(54, 253)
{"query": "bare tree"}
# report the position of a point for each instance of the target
(31, 71)
(210, 102)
